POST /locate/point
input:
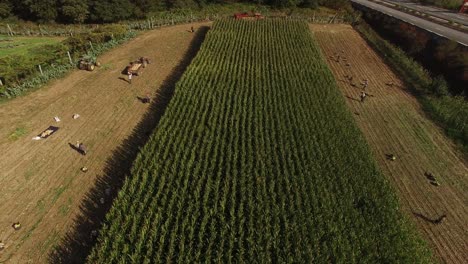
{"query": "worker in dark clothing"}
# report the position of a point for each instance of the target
(146, 99)
(81, 148)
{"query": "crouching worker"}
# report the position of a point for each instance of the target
(16, 226)
(81, 148)
(146, 99)
(391, 157)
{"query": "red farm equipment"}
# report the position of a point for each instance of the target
(464, 7)
(246, 15)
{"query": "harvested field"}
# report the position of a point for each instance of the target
(393, 123)
(42, 186)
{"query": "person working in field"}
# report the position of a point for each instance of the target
(81, 148)
(130, 74)
(144, 61)
(366, 82)
(16, 226)
(363, 96)
(146, 99)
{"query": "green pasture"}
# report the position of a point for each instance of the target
(21, 45)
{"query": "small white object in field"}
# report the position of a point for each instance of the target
(36, 138)
(57, 119)
(75, 116)
(2, 245)
(102, 200)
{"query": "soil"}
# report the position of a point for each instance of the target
(393, 122)
(42, 184)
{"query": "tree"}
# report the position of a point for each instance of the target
(309, 3)
(36, 10)
(335, 4)
(44, 10)
(5, 8)
(111, 10)
(181, 3)
(143, 7)
(284, 3)
(74, 11)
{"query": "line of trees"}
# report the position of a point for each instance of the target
(99, 11)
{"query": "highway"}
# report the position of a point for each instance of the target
(438, 29)
(434, 11)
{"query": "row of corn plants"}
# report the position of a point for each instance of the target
(257, 159)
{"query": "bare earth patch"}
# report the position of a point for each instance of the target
(393, 123)
(42, 186)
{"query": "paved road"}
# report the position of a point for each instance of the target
(438, 29)
(435, 11)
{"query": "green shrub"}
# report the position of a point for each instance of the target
(22, 67)
(449, 112)
(439, 86)
(15, 68)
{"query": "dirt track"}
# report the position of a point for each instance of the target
(392, 122)
(42, 186)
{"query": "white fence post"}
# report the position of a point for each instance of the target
(9, 29)
(70, 58)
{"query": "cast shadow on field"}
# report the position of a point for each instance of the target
(351, 98)
(142, 99)
(430, 220)
(123, 79)
(74, 147)
(76, 245)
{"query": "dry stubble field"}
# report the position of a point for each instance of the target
(42, 186)
(393, 122)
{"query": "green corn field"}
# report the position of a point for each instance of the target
(257, 160)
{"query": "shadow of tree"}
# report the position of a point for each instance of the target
(78, 242)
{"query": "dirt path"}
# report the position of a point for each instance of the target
(42, 186)
(393, 123)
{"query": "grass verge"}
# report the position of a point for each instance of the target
(449, 112)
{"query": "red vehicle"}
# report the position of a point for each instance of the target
(246, 15)
(464, 7)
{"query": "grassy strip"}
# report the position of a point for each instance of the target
(450, 112)
(59, 71)
(22, 45)
(257, 160)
